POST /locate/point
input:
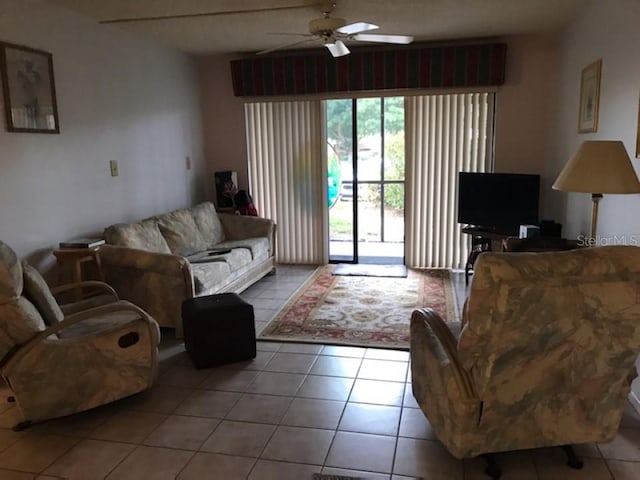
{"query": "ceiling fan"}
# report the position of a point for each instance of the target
(331, 31)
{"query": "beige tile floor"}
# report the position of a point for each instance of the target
(294, 410)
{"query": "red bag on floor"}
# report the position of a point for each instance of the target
(244, 203)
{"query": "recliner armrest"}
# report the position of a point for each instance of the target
(14, 357)
(442, 388)
(89, 284)
(426, 322)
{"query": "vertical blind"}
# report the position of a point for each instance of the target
(286, 165)
(445, 134)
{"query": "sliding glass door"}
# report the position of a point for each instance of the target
(365, 159)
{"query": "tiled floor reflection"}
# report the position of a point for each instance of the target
(295, 410)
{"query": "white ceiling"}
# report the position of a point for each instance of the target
(426, 20)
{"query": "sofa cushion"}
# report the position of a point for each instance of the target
(258, 246)
(38, 292)
(207, 221)
(144, 235)
(208, 276)
(22, 322)
(11, 281)
(181, 233)
(237, 258)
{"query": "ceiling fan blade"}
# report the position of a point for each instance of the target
(337, 49)
(286, 45)
(373, 37)
(356, 27)
(206, 14)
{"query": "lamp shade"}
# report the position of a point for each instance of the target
(599, 167)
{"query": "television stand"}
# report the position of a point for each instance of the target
(481, 239)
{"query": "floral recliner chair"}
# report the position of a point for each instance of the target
(544, 357)
(54, 364)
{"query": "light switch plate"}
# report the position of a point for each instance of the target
(188, 162)
(113, 166)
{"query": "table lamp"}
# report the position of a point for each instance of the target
(598, 167)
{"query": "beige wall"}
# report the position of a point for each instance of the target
(119, 98)
(225, 146)
(607, 31)
(523, 106)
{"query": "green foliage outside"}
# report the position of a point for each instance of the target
(340, 121)
(394, 170)
(340, 138)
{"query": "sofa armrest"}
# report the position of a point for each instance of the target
(157, 282)
(239, 227)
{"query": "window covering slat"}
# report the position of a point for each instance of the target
(445, 134)
(284, 144)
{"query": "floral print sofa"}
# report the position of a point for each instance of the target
(158, 262)
(545, 356)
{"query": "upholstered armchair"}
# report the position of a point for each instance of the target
(58, 360)
(545, 356)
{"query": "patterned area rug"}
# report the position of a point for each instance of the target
(361, 311)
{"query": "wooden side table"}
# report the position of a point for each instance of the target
(71, 261)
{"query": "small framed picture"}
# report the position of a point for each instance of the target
(589, 98)
(29, 89)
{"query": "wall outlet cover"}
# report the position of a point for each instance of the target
(188, 162)
(113, 166)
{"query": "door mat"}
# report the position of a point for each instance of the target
(362, 270)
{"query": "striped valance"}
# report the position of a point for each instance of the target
(478, 65)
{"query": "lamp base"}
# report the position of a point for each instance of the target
(595, 199)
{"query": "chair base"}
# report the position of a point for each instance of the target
(493, 470)
(572, 459)
(20, 427)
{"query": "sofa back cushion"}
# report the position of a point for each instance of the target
(144, 235)
(38, 292)
(207, 221)
(10, 274)
(181, 233)
(19, 322)
(19, 319)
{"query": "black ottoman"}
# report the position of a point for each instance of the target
(218, 329)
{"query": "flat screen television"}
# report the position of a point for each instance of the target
(499, 201)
